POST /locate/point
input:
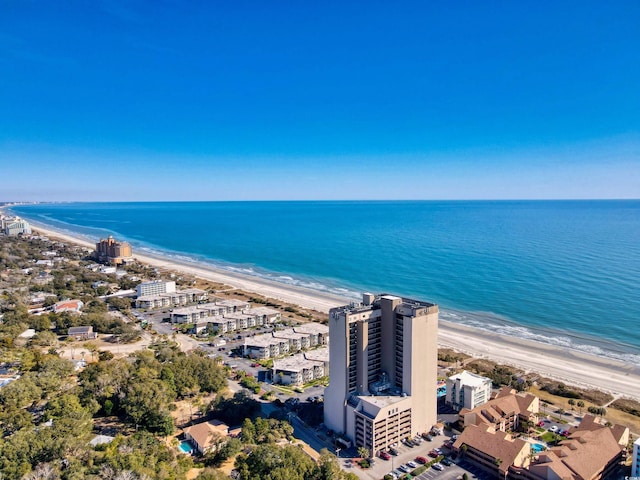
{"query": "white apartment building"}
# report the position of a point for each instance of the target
(155, 287)
(383, 361)
(467, 390)
(15, 226)
(635, 466)
(173, 299)
(283, 342)
(297, 370)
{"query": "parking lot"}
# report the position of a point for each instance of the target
(405, 454)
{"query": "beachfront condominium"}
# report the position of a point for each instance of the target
(467, 390)
(383, 360)
(109, 250)
(155, 287)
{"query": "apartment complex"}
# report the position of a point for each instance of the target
(155, 287)
(591, 452)
(14, 225)
(383, 361)
(108, 250)
(505, 412)
(282, 342)
(172, 299)
(302, 368)
(467, 390)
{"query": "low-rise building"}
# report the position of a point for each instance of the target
(283, 342)
(82, 333)
(467, 390)
(207, 436)
(317, 332)
(493, 450)
(505, 412)
(155, 287)
(172, 299)
(591, 452)
(301, 368)
(68, 306)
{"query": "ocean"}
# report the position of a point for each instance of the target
(560, 272)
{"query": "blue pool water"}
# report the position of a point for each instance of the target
(186, 446)
(536, 447)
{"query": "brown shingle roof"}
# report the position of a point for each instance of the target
(204, 433)
(495, 444)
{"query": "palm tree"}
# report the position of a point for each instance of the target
(580, 405)
(363, 452)
(571, 403)
(545, 404)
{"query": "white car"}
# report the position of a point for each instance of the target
(553, 429)
(437, 466)
(412, 464)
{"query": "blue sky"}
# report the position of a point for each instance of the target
(164, 100)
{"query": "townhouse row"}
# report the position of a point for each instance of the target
(283, 342)
(302, 368)
(172, 299)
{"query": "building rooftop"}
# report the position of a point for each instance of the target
(187, 310)
(312, 327)
(318, 354)
(262, 311)
(295, 363)
(471, 379)
(261, 341)
(289, 334)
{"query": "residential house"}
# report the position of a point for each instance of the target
(207, 436)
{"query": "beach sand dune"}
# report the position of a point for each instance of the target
(570, 366)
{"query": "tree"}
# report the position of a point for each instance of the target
(580, 405)
(363, 452)
(571, 403)
(145, 403)
(212, 474)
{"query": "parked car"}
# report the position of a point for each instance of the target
(437, 466)
(393, 451)
(433, 454)
(553, 429)
(385, 456)
(421, 460)
(564, 433)
(404, 468)
(541, 423)
(446, 461)
(412, 464)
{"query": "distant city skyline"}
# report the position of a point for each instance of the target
(113, 101)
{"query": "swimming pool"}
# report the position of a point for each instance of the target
(186, 446)
(537, 447)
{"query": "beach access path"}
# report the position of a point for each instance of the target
(566, 365)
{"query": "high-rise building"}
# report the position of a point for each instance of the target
(383, 360)
(635, 464)
(109, 250)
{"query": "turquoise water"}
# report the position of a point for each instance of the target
(186, 446)
(537, 448)
(561, 272)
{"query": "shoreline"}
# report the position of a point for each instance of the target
(558, 363)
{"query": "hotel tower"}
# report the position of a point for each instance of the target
(383, 361)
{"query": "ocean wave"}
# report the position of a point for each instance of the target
(490, 322)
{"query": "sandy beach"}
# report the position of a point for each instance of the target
(570, 366)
